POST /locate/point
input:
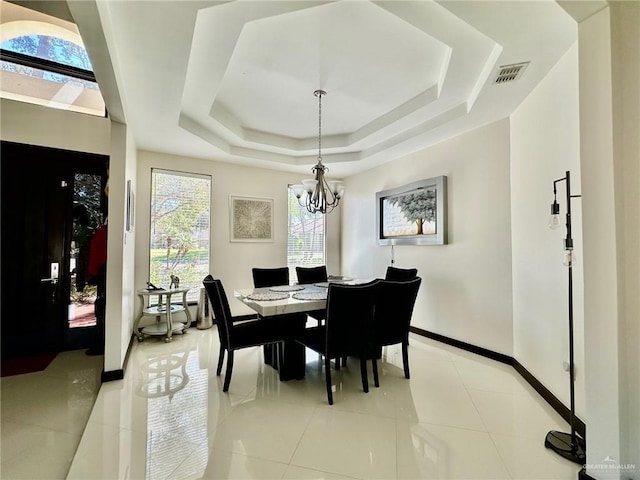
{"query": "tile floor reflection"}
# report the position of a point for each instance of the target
(43, 415)
(460, 416)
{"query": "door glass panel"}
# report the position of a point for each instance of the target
(87, 218)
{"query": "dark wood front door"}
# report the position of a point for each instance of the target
(43, 190)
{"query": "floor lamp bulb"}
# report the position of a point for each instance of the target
(570, 258)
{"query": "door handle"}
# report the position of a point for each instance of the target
(55, 266)
(53, 280)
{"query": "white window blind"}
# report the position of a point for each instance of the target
(306, 238)
(180, 218)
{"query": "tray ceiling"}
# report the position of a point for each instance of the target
(234, 81)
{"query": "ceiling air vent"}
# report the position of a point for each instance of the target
(509, 73)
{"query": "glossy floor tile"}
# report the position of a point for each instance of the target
(459, 417)
(43, 416)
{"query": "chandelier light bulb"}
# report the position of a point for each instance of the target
(298, 190)
(309, 185)
(336, 186)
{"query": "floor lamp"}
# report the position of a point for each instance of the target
(567, 445)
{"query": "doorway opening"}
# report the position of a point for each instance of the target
(87, 217)
(53, 203)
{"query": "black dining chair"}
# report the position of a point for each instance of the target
(401, 274)
(393, 310)
(235, 336)
(310, 275)
(270, 277)
(349, 312)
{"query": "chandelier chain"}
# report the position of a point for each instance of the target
(319, 94)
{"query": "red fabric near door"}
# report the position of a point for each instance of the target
(98, 251)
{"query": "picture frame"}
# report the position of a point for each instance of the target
(130, 220)
(251, 219)
(413, 214)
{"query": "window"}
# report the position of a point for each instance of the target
(180, 214)
(305, 242)
(46, 64)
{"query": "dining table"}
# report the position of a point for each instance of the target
(293, 301)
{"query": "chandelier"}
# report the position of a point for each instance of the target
(320, 195)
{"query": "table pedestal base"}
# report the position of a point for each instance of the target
(288, 357)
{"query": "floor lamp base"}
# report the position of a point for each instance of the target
(561, 443)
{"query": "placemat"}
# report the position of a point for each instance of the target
(286, 288)
(310, 296)
(266, 296)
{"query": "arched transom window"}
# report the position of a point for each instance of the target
(43, 61)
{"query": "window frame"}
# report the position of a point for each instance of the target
(47, 65)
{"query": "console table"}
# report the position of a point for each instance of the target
(163, 311)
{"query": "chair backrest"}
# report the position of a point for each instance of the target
(401, 274)
(220, 304)
(311, 274)
(270, 277)
(393, 310)
(349, 317)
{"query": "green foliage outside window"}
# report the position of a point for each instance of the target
(179, 245)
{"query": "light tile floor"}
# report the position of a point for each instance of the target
(460, 416)
(43, 416)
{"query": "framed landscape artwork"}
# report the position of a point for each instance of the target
(414, 214)
(251, 219)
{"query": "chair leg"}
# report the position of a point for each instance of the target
(374, 365)
(267, 352)
(220, 361)
(363, 373)
(405, 358)
(327, 368)
(227, 376)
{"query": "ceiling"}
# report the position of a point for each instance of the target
(234, 81)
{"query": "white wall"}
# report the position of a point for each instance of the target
(610, 122)
(625, 25)
(229, 261)
(601, 284)
(466, 290)
(545, 143)
(129, 247)
(120, 251)
(50, 127)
